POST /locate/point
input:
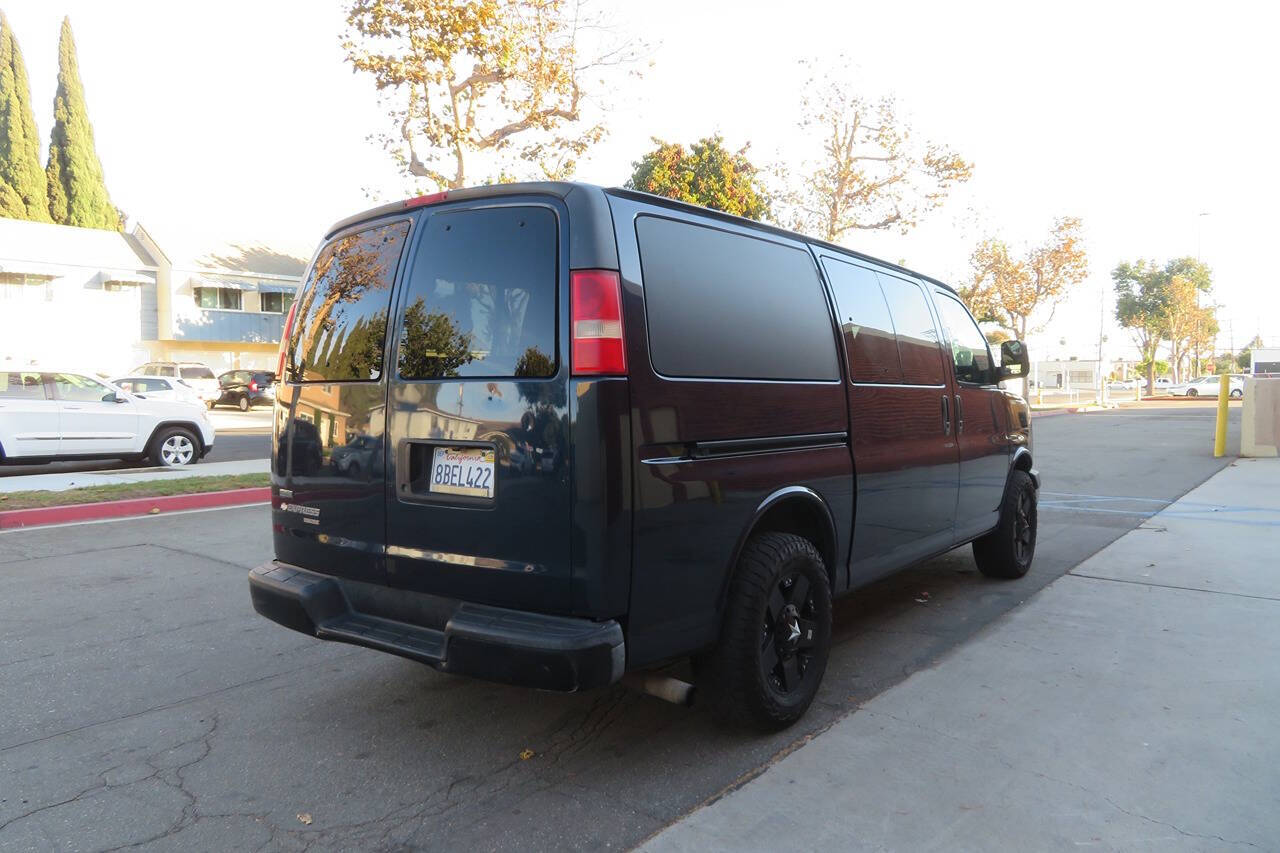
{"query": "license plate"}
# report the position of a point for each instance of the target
(462, 471)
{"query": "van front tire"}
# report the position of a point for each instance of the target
(776, 635)
(1007, 551)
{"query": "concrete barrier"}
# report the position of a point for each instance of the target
(1260, 417)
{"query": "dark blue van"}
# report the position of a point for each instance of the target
(548, 434)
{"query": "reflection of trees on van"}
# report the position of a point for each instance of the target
(432, 346)
(497, 319)
(534, 363)
(350, 283)
(355, 352)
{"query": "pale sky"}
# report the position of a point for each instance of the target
(240, 120)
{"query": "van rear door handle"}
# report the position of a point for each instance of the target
(946, 415)
(959, 415)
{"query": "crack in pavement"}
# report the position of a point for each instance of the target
(177, 702)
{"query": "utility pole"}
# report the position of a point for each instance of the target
(1196, 349)
(1102, 313)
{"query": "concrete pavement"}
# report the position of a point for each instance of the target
(144, 701)
(1131, 705)
(59, 482)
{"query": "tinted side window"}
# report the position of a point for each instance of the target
(482, 300)
(196, 373)
(342, 317)
(865, 322)
(918, 339)
(969, 350)
(729, 306)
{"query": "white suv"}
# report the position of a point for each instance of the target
(191, 373)
(48, 415)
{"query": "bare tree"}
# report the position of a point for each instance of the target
(466, 77)
(872, 174)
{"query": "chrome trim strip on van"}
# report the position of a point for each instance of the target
(464, 560)
(764, 444)
(893, 385)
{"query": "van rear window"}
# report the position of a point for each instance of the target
(723, 305)
(342, 316)
(482, 296)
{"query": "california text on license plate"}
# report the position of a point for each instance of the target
(463, 471)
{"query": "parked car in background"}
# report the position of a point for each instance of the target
(623, 413)
(1123, 384)
(1207, 386)
(245, 388)
(48, 415)
(195, 374)
(158, 388)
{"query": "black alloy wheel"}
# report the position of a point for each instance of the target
(788, 634)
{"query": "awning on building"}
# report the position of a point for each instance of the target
(32, 268)
(125, 277)
(210, 280)
(277, 287)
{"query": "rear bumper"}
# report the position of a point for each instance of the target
(492, 643)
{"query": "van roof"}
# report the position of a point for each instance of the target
(563, 190)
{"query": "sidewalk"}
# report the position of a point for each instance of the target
(80, 479)
(1131, 705)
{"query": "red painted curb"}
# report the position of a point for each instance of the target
(130, 507)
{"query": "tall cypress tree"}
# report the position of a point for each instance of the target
(22, 184)
(77, 191)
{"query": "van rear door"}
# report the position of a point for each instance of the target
(479, 504)
(328, 470)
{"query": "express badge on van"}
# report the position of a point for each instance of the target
(463, 471)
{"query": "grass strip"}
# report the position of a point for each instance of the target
(121, 491)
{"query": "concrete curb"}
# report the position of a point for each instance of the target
(44, 515)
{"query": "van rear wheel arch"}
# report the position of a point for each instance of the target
(792, 509)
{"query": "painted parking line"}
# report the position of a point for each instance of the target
(1073, 502)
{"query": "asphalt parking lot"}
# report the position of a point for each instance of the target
(145, 704)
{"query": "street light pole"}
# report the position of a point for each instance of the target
(1196, 354)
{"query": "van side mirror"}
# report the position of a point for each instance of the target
(1014, 362)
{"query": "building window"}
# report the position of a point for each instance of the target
(20, 287)
(1082, 377)
(276, 303)
(224, 298)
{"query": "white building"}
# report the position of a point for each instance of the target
(108, 301)
(75, 296)
(1072, 374)
(1264, 360)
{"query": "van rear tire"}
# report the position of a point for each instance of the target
(776, 636)
(1007, 551)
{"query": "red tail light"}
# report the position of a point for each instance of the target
(596, 317)
(284, 340)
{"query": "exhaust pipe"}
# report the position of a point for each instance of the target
(664, 687)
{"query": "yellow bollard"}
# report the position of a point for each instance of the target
(1220, 434)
